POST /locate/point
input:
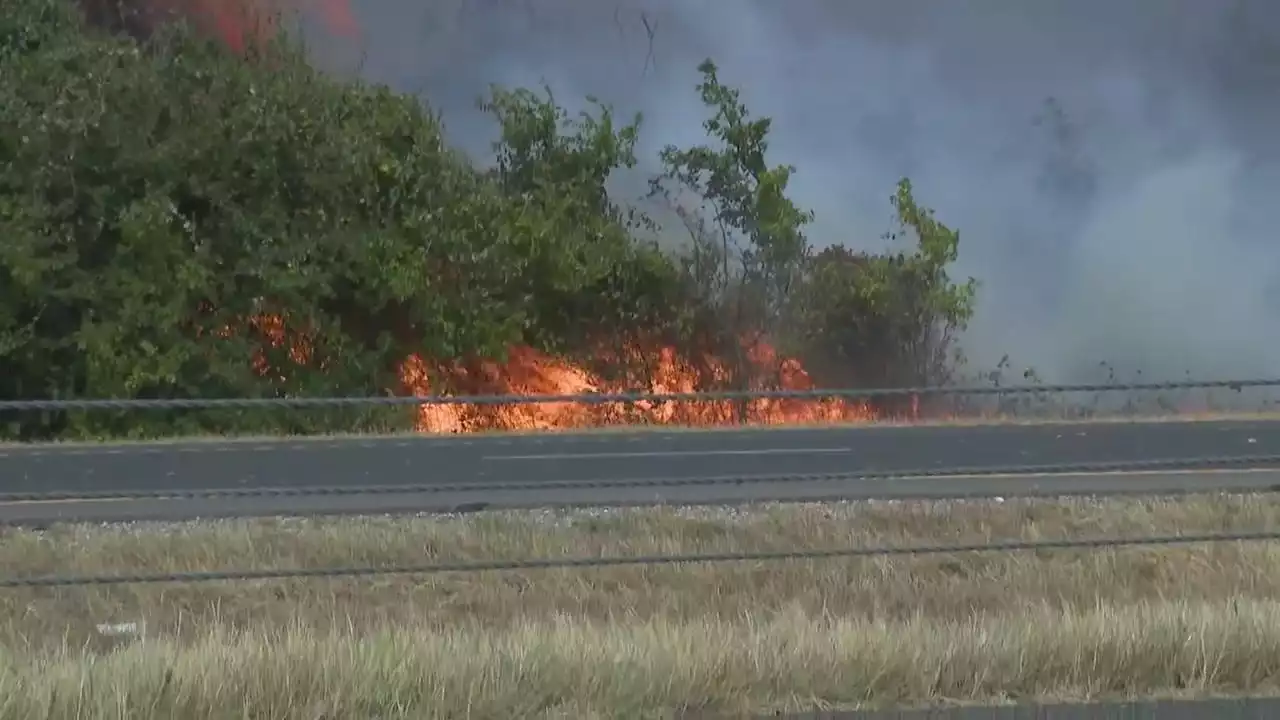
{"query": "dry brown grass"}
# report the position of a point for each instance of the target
(637, 641)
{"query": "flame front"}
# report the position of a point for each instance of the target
(530, 372)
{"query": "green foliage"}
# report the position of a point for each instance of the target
(588, 279)
(156, 199)
(887, 319)
(855, 318)
(745, 197)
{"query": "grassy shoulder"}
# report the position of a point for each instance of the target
(635, 641)
(565, 666)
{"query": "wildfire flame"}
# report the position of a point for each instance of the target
(530, 372)
(527, 371)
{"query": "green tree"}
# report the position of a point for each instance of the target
(748, 242)
(588, 282)
(886, 320)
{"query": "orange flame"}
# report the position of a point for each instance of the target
(273, 330)
(530, 372)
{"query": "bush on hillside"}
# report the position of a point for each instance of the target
(171, 211)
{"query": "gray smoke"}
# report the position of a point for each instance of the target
(1110, 164)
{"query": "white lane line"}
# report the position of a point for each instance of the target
(666, 453)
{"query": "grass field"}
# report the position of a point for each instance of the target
(644, 641)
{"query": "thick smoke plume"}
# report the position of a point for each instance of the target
(1110, 165)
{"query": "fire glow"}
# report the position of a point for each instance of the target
(529, 372)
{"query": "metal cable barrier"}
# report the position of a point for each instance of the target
(1199, 463)
(599, 562)
(606, 398)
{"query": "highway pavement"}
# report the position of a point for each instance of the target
(556, 469)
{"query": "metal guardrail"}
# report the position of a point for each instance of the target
(606, 398)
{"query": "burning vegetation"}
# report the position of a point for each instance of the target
(527, 371)
(530, 372)
(279, 233)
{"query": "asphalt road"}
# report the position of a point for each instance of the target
(612, 457)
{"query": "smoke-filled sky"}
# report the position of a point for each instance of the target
(1109, 163)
